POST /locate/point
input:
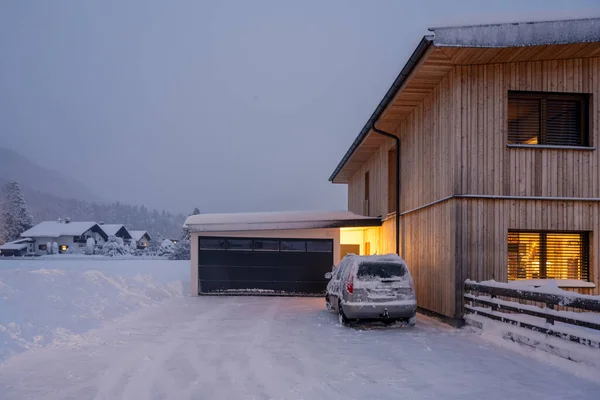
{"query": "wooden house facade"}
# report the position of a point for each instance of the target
(498, 128)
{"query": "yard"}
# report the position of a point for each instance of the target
(169, 346)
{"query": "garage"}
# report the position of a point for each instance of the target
(272, 253)
(264, 265)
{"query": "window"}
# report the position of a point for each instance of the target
(554, 119)
(369, 271)
(42, 247)
(266, 245)
(548, 255)
(293, 245)
(319, 246)
(239, 244)
(212, 244)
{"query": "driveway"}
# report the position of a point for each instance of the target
(278, 348)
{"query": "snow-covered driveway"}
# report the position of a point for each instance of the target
(282, 348)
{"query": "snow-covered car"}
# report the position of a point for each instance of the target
(372, 288)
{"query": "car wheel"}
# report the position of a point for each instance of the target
(328, 305)
(342, 317)
(412, 321)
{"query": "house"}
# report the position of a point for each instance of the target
(117, 230)
(481, 159)
(21, 247)
(273, 252)
(141, 238)
(67, 234)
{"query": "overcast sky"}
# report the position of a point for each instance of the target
(228, 106)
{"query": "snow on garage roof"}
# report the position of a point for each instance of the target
(277, 220)
(57, 229)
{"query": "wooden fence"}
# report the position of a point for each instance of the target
(502, 303)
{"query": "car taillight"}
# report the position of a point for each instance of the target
(412, 286)
(350, 285)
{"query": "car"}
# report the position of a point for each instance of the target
(372, 288)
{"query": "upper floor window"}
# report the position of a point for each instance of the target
(553, 119)
(548, 255)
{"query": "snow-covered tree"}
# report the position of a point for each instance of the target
(16, 216)
(49, 247)
(166, 248)
(54, 248)
(113, 247)
(181, 250)
(89, 246)
(196, 211)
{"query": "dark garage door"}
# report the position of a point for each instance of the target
(272, 265)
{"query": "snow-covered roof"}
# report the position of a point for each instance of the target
(277, 220)
(111, 229)
(57, 229)
(137, 235)
(16, 245)
(519, 34)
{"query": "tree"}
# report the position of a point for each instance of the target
(185, 235)
(181, 250)
(89, 246)
(15, 215)
(166, 249)
(113, 247)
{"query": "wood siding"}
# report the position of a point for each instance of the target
(454, 143)
(488, 166)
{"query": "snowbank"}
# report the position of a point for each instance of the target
(44, 301)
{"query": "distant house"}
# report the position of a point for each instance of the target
(68, 235)
(117, 230)
(142, 238)
(21, 247)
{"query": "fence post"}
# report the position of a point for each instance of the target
(549, 318)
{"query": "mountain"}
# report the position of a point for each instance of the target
(14, 167)
(51, 195)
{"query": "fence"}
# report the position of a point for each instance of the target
(503, 302)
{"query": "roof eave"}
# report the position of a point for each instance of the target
(408, 68)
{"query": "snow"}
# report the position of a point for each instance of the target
(13, 246)
(111, 229)
(106, 329)
(56, 229)
(519, 34)
(583, 316)
(279, 348)
(137, 235)
(550, 286)
(269, 220)
(48, 297)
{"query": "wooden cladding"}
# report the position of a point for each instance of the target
(548, 255)
(556, 119)
(392, 191)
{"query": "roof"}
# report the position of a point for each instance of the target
(277, 220)
(137, 235)
(467, 45)
(16, 245)
(520, 34)
(57, 229)
(113, 230)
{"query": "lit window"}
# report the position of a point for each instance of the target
(548, 255)
(63, 247)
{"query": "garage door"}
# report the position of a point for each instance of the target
(265, 265)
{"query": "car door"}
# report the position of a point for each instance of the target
(336, 285)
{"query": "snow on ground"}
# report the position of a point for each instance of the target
(51, 299)
(280, 348)
(122, 329)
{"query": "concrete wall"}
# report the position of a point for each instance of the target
(329, 233)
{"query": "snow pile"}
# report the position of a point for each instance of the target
(51, 300)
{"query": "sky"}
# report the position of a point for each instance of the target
(228, 106)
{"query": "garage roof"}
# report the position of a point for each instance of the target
(277, 220)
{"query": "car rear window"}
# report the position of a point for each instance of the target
(369, 271)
